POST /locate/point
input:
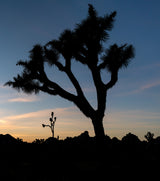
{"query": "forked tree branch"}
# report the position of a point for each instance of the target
(113, 80)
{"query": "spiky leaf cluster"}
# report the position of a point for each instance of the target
(28, 80)
(116, 57)
(91, 33)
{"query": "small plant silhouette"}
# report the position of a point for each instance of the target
(52, 120)
(149, 136)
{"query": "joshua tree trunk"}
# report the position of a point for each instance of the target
(95, 115)
(98, 128)
(52, 133)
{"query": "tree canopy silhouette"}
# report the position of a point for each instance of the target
(84, 44)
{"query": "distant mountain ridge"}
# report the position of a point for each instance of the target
(8, 139)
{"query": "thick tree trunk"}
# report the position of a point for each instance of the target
(98, 129)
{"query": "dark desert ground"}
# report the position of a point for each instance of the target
(79, 158)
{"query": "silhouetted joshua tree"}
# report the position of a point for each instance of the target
(149, 136)
(84, 44)
(52, 123)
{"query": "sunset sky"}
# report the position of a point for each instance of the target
(133, 104)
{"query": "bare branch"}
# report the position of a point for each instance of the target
(74, 82)
(54, 89)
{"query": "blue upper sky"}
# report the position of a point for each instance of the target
(132, 105)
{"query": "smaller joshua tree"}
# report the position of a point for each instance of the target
(149, 136)
(52, 120)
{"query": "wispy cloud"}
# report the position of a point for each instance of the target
(144, 87)
(64, 113)
(9, 95)
(24, 99)
(150, 85)
(69, 120)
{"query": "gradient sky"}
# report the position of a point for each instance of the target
(132, 105)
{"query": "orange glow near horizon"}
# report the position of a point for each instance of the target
(71, 122)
